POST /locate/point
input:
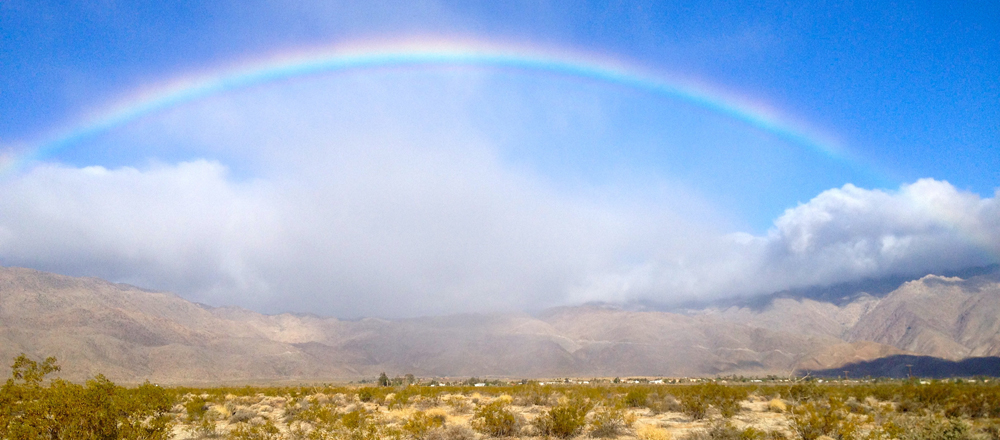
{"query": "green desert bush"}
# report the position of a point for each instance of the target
(564, 420)
(196, 407)
(694, 405)
(637, 397)
(31, 409)
(697, 399)
(315, 414)
(366, 394)
(496, 419)
(812, 420)
(356, 424)
(420, 423)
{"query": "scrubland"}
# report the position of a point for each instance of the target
(34, 407)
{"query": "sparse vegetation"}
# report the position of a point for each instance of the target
(564, 420)
(34, 406)
(496, 419)
(421, 423)
(611, 419)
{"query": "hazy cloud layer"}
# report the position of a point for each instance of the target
(410, 235)
(400, 195)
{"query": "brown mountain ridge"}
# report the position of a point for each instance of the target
(131, 334)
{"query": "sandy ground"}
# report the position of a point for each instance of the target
(457, 410)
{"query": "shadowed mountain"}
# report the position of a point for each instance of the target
(131, 334)
(902, 366)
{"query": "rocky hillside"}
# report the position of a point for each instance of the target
(945, 317)
(131, 334)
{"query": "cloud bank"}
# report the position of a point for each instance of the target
(430, 233)
(422, 192)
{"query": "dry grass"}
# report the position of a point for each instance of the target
(777, 405)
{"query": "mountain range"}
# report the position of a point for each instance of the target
(131, 334)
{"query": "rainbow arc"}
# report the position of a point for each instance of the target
(422, 55)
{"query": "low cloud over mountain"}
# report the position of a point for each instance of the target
(131, 334)
(407, 235)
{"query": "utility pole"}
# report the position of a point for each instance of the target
(909, 368)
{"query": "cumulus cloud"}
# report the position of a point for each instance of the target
(412, 236)
(850, 232)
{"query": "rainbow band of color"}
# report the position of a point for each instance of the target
(338, 61)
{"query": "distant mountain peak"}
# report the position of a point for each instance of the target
(131, 334)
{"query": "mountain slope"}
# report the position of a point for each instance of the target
(128, 333)
(131, 334)
(943, 317)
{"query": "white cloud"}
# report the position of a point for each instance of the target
(375, 196)
(410, 233)
(850, 232)
(184, 226)
(419, 234)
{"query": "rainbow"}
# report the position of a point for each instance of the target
(420, 54)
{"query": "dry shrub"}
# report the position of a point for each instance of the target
(294, 409)
(339, 399)
(205, 428)
(423, 402)
(451, 432)
(814, 419)
(853, 405)
(650, 432)
(420, 423)
(477, 398)
(396, 401)
(196, 407)
(505, 398)
(927, 428)
(726, 431)
(611, 421)
(535, 395)
(242, 415)
(255, 431)
(496, 419)
(696, 400)
(660, 404)
(217, 412)
(777, 405)
(458, 403)
(564, 420)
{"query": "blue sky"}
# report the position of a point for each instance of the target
(456, 188)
